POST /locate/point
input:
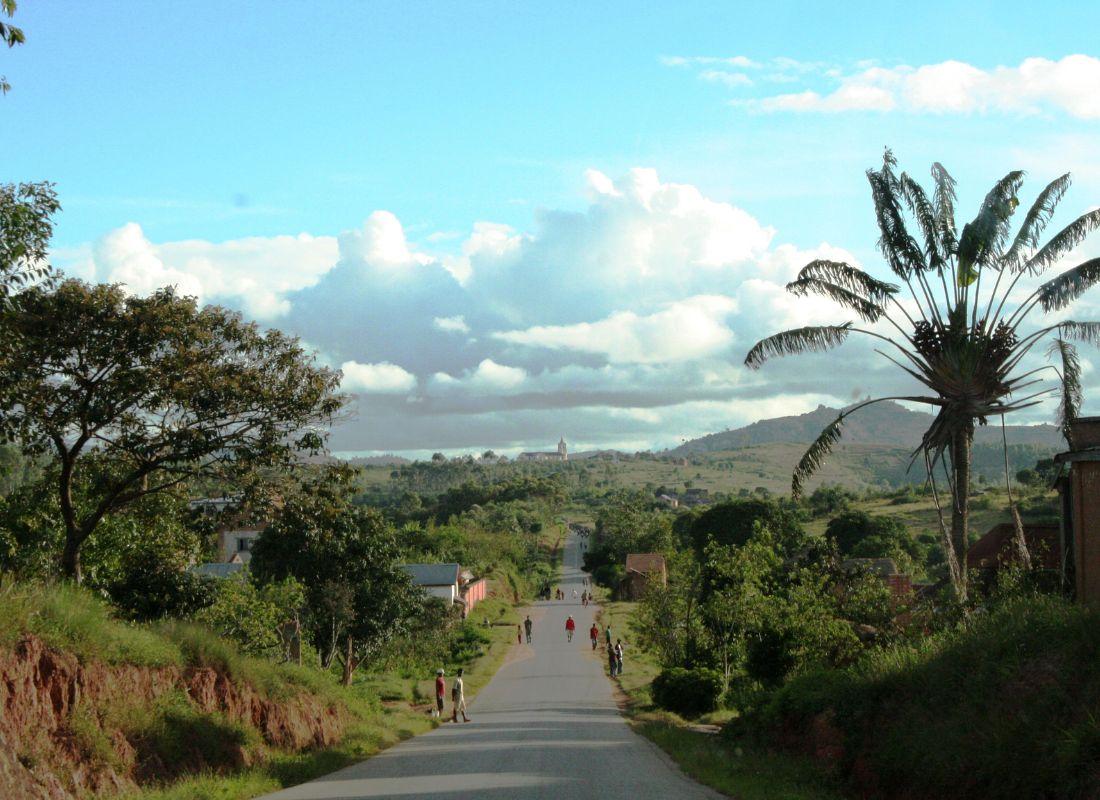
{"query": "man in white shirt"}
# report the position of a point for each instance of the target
(458, 697)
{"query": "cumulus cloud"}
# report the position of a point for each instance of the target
(455, 324)
(488, 376)
(254, 273)
(1035, 85)
(383, 378)
(622, 314)
(689, 329)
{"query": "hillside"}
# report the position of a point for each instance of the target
(886, 424)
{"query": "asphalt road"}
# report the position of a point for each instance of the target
(546, 726)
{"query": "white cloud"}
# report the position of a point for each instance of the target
(383, 378)
(254, 273)
(725, 78)
(488, 376)
(456, 324)
(686, 330)
(1067, 85)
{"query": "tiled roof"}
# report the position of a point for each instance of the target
(432, 574)
(645, 562)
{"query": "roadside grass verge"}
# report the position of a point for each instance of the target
(747, 772)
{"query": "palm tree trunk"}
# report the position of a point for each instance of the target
(960, 507)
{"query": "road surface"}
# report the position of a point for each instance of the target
(545, 727)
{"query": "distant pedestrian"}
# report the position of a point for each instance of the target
(574, 594)
(519, 635)
(607, 633)
(458, 698)
(527, 624)
(594, 635)
(611, 661)
(440, 693)
(618, 656)
(570, 626)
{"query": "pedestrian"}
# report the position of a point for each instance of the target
(519, 635)
(611, 661)
(527, 624)
(574, 594)
(594, 635)
(607, 633)
(570, 626)
(440, 693)
(618, 656)
(458, 698)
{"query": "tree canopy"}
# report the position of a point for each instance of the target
(151, 392)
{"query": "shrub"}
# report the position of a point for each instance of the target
(688, 692)
(151, 591)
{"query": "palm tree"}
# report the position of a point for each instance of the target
(957, 328)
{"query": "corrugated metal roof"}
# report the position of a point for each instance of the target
(432, 574)
(217, 570)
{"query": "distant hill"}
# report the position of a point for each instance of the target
(379, 461)
(885, 424)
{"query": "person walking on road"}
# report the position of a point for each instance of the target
(527, 626)
(594, 635)
(519, 635)
(458, 698)
(440, 693)
(611, 661)
(618, 656)
(570, 626)
(607, 633)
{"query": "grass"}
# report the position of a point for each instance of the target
(180, 738)
(745, 772)
(1006, 707)
(73, 620)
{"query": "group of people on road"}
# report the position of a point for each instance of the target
(458, 696)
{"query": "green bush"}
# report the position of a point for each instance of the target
(688, 692)
(154, 591)
(1002, 707)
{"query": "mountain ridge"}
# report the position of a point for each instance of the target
(887, 423)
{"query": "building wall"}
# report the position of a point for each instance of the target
(473, 593)
(229, 542)
(1085, 479)
(447, 593)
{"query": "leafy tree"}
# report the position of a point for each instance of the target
(628, 523)
(735, 521)
(9, 35)
(827, 500)
(152, 533)
(252, 615)
(161, 391)
(157, 590)
(26, 225)
(964, 345)
(859, 535)
(357, 597)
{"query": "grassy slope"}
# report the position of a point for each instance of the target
(384, 708)
(1005, 708)
(743, 772)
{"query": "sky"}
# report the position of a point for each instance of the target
(510, 222)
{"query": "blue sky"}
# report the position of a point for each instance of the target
(357, 172)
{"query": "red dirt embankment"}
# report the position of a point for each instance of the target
(69, 729)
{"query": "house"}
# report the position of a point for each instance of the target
(885, 569)
(449, 583)
(998, 547)
(641, 568)
(436, 580)
(669, 500)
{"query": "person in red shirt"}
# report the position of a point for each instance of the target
(594, 635)
(440, 693)
(570, 626)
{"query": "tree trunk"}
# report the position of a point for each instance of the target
(70, 558)
(960, 506)
(349, 661)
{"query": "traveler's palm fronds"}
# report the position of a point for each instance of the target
(956, 330)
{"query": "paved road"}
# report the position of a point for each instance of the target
(546, 726)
